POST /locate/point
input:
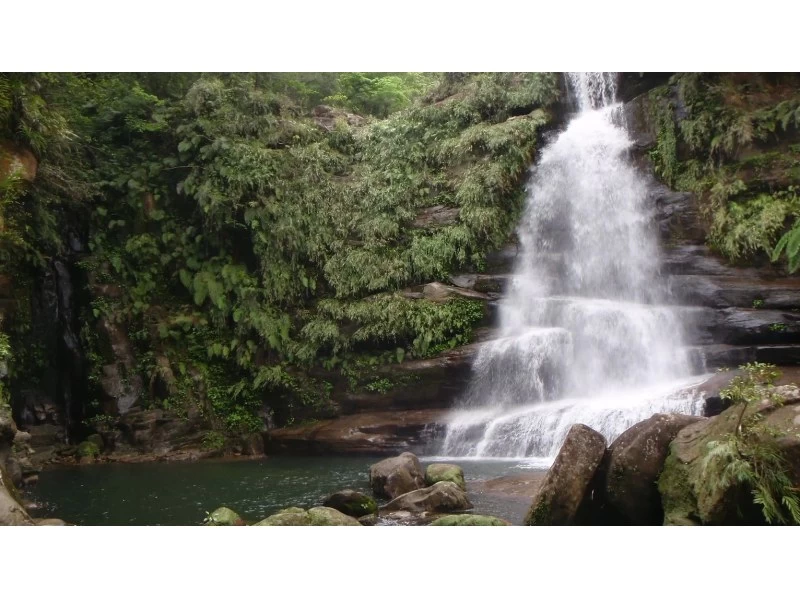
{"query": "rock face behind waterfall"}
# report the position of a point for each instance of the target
(564, 489)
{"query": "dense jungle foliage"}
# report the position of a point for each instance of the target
(734, 139)
(248, 242)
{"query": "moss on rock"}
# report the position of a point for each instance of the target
(351, 502)
(323, 516)
(456, 520)
(87, 448)
(223, 516)
(445, 472)
(328, 516)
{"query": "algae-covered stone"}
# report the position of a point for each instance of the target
(470, 520)
(224, 516)
(290, 516)
(351, 502)
(442, 497)
(445, 472)
(328, 516)
(324, 516)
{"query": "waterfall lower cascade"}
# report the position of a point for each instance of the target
(587, 333)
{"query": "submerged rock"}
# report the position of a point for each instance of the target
(350, 502)
(631, 468)
(407, 518)
(445, 472)
(368, 520)
(442, 497)
(470, 520)
(397, 475)
(564, 489)
(224, 516)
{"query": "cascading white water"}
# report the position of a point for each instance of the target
(586, 335)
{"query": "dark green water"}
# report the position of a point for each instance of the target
(182, 493)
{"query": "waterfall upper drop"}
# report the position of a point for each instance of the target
(587, 335)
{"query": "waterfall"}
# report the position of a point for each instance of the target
(587, 334)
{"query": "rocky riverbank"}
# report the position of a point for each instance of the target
(403, 493)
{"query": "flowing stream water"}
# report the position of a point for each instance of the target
(587, 332)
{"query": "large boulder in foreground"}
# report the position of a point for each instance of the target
(442, 497)
(631, 468)
(445, 472)
(351, 502)
(559, 498)
(690, 484)
(397, 475)
(324, 516)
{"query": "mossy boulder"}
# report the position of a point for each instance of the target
(567, 484)
(397, 475)
(467, 519)
(445, 472)
(690, 490)
(224, 516)
(351, 502)
(290, 516)
(328, 516)
(323, 516)
(442, 497)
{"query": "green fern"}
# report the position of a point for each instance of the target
(750, 456)
(789, 244)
